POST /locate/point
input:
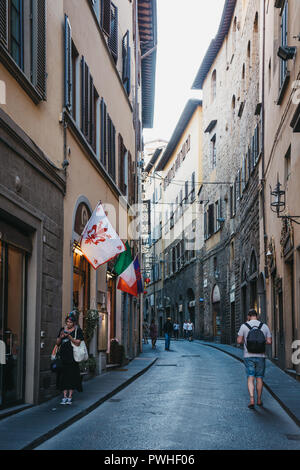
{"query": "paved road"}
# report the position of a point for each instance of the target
(193, 398)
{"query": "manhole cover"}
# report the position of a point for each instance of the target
(115, 400)
(120, 370)
(293, 437)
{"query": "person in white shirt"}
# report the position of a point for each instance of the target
(185, 329)
(255, 362)
(190, 328)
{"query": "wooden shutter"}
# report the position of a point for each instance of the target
(85, 100)
(106, 16)
(103, 132)
(121, 164)
(113, 38)
(211, 220)
(68, 65)
(39, 40)
(4, 22)
(92, 124)
(126, 63)
(205, 225)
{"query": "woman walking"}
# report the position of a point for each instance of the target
(153, 333)
(69, 378)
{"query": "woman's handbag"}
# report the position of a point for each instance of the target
(80, 353)
(56, 362)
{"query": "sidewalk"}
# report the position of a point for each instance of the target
(282, 387)
(35, 424)
(30, 427)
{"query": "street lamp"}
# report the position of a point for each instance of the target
(278, 203)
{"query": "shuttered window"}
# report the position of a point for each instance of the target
(113, 38)
(4, 22)
(23, 43)
(211, 219)
(123, 170)
(106, 16)
(126, 63)
(103, 152)
(89, 98)
(39, 19)
(68, 65)
(111, 148)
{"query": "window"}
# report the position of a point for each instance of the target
(234, 29)
(283, 43)
(23, 43)
(211, 220)
(214, 85)
(89, 98)
(113, 38)
(16, 31)
(193, 195)
(111, 154)
(126, 63)
(213, 151)
(123, 167)
(287, 165)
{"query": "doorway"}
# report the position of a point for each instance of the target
(12, 324)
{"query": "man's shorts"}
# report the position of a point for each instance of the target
(255, 366)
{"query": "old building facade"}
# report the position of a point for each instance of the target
(229, 79)
(281, 109)
(71, 121)
(173, 290)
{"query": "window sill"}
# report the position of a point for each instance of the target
(283, 88)
(19, 76)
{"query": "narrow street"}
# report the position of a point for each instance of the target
(193, 398)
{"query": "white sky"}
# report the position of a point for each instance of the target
(185, 29)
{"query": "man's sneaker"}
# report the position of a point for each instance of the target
(69, 401)
(64, 401)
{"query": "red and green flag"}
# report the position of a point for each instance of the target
(126, 268)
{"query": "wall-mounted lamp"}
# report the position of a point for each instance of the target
(269, 254)
(78, 251)
(278, 203)
(286, 53)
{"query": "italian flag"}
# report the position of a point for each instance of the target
(124, 267)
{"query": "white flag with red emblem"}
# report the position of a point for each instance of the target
(99, 241)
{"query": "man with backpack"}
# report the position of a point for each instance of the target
(254, 335)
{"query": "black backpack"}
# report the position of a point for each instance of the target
(256, 341)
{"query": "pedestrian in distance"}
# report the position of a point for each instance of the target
(145, 332)
(184, 328)
(176, 330)
(153, 333)
(69, 378)
(168, 328)
(254, 335)
(190, 329)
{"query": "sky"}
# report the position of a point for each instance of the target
(185, 30)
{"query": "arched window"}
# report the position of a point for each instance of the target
(243, 83)
(255, 40)
(81, 268)
(213, 85)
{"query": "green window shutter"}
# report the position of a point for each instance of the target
(39, 42)
(68, 65)
(113, 38)
(4, 22)
(106, 16)
(103, 132)
(126, 63)
(83, 102)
